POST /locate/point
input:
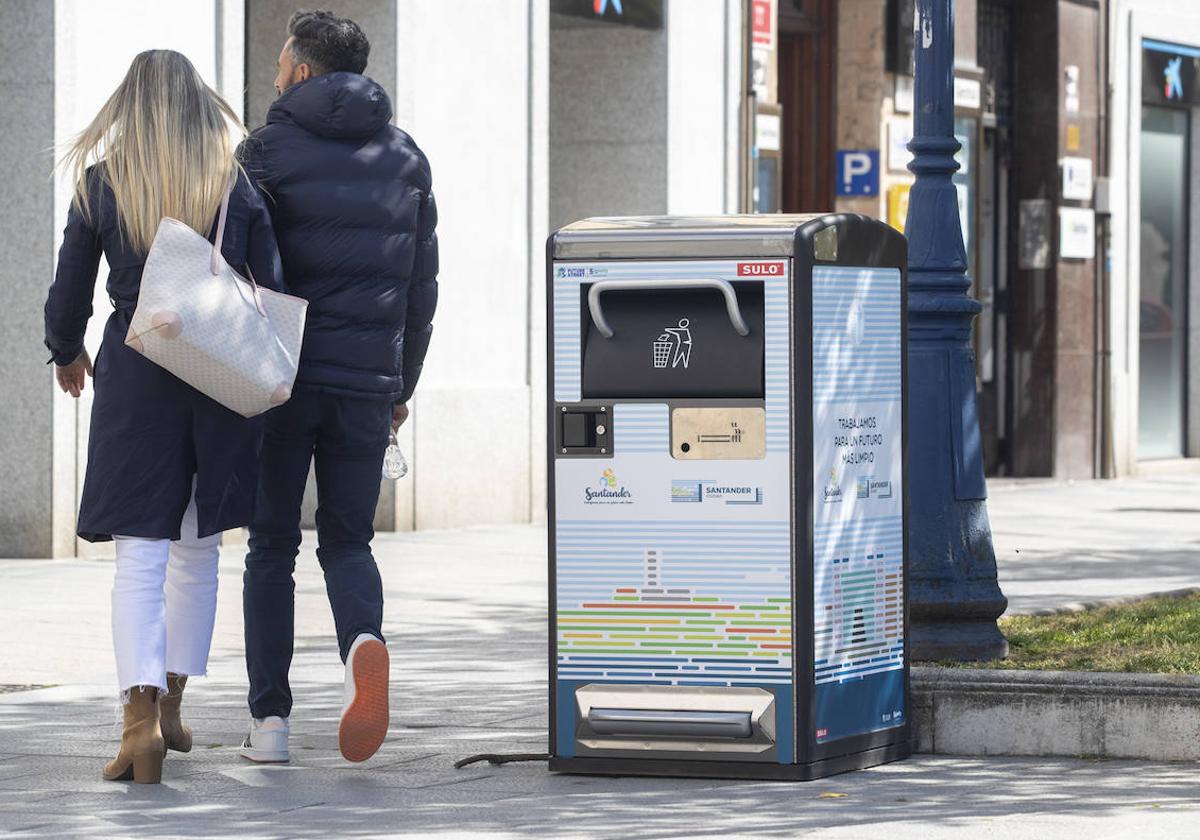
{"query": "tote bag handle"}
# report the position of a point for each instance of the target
(215, 263)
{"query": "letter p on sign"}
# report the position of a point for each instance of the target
(858, 172)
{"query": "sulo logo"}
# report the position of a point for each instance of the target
(760, 269)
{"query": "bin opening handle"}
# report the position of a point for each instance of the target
(723, 286)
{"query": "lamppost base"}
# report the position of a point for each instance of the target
(956, 641)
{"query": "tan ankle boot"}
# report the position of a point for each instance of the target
(176, 736)
(141, 755)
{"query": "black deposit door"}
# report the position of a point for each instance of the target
(674, 344)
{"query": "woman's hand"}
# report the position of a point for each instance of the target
(71, 377)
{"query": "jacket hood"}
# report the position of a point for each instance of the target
(338, 105)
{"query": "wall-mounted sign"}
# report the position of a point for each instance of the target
(760, 70)
(1076, 233)
(766, 132)
(647, 14)
(1072, 141)
(968, 94)
(902, 101)
(1071, 88)
(858, 172)
(763, 23)
(1076, 178)
(897, 205)
(900, 131)
(1170, 74)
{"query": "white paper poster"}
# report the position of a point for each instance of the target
(1076, 233)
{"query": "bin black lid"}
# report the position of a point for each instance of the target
(745, 235)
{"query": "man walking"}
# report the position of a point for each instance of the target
(350, 198)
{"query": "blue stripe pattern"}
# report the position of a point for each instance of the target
(777, 365)
(856, 334)
(568, 350)
(641, 428)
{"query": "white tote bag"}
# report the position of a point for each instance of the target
(223, 335)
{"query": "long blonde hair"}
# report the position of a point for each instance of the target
(165, 139)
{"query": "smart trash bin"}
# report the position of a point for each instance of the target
(726, 435)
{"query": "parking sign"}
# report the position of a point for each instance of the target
(858, 172)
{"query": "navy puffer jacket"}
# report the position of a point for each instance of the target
(350, 199)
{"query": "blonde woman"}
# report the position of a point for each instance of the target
(168, 469)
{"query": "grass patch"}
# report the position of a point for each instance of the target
(1154, 636)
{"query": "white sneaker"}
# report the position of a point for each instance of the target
(267, 742)
(364, 722)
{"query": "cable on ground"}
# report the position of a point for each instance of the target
(496, 759)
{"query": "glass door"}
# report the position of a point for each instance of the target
(1162, 338)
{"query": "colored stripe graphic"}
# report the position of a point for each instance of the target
(686, 607)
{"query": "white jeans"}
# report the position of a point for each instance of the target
(164, 603)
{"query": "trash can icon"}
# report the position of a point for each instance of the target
(727, 588)
(674, 346)
(664, 345)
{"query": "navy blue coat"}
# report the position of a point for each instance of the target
(350, 197)
(151, 434)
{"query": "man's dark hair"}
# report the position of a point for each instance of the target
(328, 43)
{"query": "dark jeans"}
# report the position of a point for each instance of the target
(346, 436)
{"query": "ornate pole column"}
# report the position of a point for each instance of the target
(953, 593)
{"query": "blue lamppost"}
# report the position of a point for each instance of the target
(953, 593)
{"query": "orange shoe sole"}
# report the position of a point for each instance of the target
(365, 722)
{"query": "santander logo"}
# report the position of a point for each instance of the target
(760, 269)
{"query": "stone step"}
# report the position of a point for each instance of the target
(974, 712)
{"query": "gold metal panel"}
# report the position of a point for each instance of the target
(718, 433)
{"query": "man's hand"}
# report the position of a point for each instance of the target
(399, 415)
(72, 377)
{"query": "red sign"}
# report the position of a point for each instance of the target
(760, 269)
(762, 23)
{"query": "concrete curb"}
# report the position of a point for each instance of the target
(1085, 606)
(963, 711)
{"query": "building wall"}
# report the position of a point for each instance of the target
(1052, 318)
(265, 33)
(862, 88)
(482, 89)
(92, 47)
(608, 120)
(539, 229)
(470, 426)
(698, 107)
(1131, 21)
(1193, 362)
(29, 409)
(466, 73)
(1033, 299)
(1075, 333)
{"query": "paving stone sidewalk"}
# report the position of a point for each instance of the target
(465, 622)
(1060, 543)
